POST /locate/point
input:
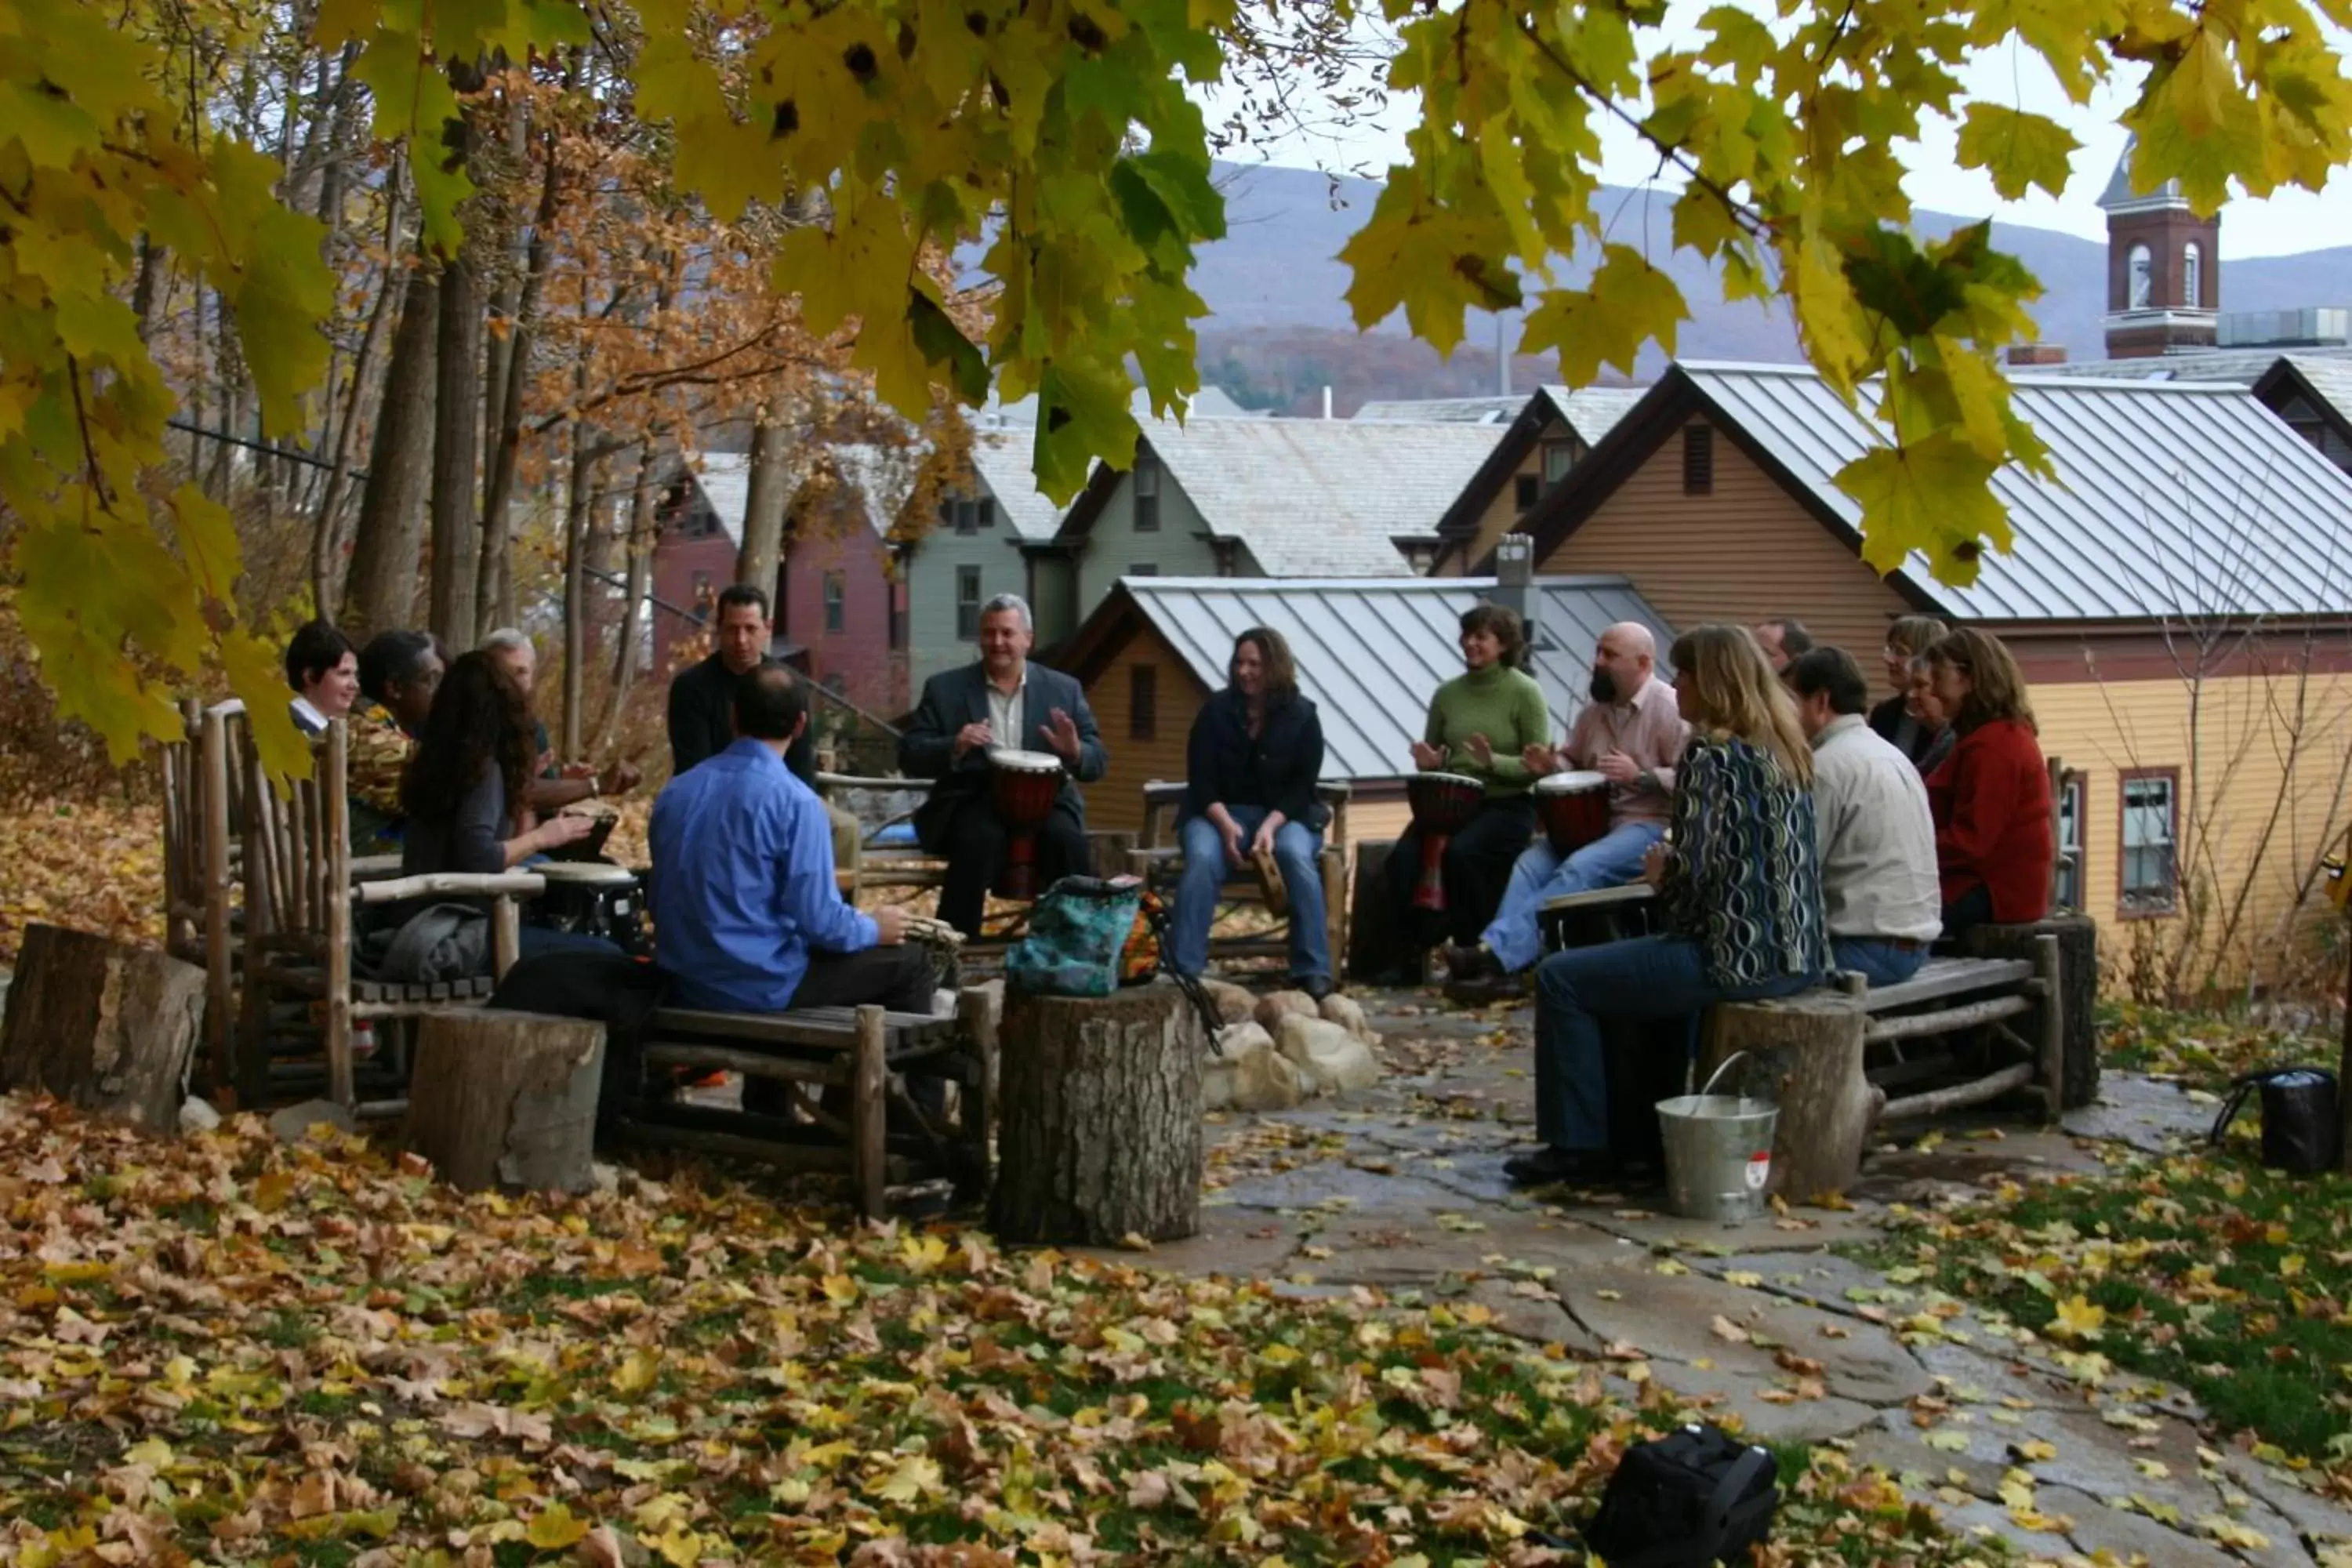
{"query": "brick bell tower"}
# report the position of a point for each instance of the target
(2164, 269)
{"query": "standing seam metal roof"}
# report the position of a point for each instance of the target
(2175, 500)
(1372, 653)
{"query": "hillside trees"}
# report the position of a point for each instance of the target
(140, 155)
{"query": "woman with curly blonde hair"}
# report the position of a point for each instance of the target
(1740, 893)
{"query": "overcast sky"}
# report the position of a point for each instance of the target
(2291, 220)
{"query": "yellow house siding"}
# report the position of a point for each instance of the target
(1743, 552)
(1502, 511)
(2261, 762)
(1116, 800)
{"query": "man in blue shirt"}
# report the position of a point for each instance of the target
(746, 917)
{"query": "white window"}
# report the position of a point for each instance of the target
(2149, 870)
(2066, 893)
(1558, 457)
(2139, 280)
(2192, 275)
(1146, 492)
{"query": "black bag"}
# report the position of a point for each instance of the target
(1685, 1501)
(2301, 1135)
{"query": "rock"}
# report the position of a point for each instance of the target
(1219, 1073)
(1349, 1014)
(294, 1124)
(1276, 1006)
(197, 1115)
(1235, 1004)
(607, 1177)
(1265, 1080)
(1333, 1059)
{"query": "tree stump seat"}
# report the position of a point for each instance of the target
(1829, 1057)
(103, 1025)
(866, 1056)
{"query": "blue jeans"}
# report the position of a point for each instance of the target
(1296, 846)
(1880, 963)
(1644, 977)
(536, 941)
(1611, 860)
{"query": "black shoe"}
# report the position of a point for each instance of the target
(1475, 963)
(1550, 1163)
(1318, 986)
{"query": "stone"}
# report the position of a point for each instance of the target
(197, 1115)
(2128, 1536)
(1219, 1072)
(1349, 1014)
(1334, 1059)
(1276, 1004)
(1235, 1004)
(293, 1124)
(1265, 1080)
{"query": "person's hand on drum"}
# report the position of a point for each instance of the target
(1426, 756)
(972, 738)
(1619, 768)
(1539, 759)
(1655, 863)
(1481, 750)
(890, 925)
(1263, 843)
(564, 827)
(1061, 734)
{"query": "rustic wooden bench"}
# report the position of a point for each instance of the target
(1158, 859)
(866, 1054)
(1812, 1053)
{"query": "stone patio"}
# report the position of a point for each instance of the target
(1401, 1187)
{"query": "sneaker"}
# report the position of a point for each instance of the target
(1552, 1165)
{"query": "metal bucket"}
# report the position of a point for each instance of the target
(1718, 1152)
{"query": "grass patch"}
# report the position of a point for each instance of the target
(2204, 1050)
(2204, 1269)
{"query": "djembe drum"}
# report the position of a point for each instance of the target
(1443, 806)
(593, 898)
(1573, 809)
(1023, 786)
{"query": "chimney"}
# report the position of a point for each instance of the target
(1515, 562)
(2037, 353)
(1327, 403)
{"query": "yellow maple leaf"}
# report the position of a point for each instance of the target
(840, 1290)
(637, 1372)
(2078, 1319)
(555, 1530)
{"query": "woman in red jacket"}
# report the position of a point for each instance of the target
(1994, 843)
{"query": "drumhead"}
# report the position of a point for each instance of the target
(585, 873)
(1459, 780)
(1575, 782)
(1024, 761)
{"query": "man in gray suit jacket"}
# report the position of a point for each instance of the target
(1001, 703)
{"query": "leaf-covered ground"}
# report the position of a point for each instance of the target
(2204, 1269)
(2203, 1050)
(225, 1349)
(96, 868)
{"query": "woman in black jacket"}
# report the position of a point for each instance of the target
(1256, 751)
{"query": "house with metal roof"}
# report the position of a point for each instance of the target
(1371, 652)
(1549, 432)
(2179, 597)
(1255, 498)
(971, 550)
(2310, 387)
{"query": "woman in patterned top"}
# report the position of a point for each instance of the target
(1739, 896)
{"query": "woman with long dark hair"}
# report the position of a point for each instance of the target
(1995, 840)
(472, 767)
(1251, 767)
(1740, 893)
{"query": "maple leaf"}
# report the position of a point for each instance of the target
(2077, 1318)
(553, 1529)
(2018, 149)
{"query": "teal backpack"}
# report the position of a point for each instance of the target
(1079, 930)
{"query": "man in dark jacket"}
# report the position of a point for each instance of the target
(702, 695)
(1001, 703)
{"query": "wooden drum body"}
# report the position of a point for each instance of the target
(1573, 809)
(1022, 785)
(593, 898)
(1443, 806)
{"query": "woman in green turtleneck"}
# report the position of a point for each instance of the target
(1481, 723)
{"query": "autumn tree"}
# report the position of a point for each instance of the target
(1064, 136)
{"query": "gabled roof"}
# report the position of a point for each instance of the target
(879, 477)
(2119, 197)
(1589, 412)
(1209, 403)
(1002, 458)
(725, 480)
(2174, 500)
(1308, 498)
(2244, 366)
(1370, 653)
(1445, 410)
(2324, 381)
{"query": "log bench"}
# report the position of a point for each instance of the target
(866, 1055)
(1838, 1060)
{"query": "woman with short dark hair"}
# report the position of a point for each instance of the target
(1893, 720)
(1995, 842)
(1479, 725)
(1250, 767)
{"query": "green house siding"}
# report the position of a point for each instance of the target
(932, 643)
(1113, 549)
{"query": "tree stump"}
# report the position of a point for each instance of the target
(507, 1099)
(1098, 1125)
(2078, 1010)
(1372, 947)
(108, 1027)
(1804, 1052)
